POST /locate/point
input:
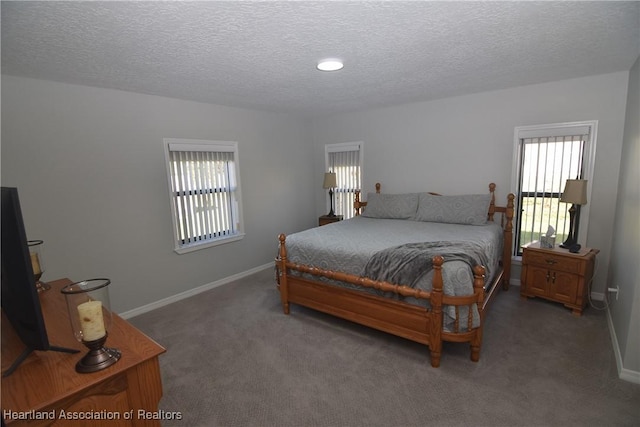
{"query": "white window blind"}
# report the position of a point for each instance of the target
(346, 161)
(205, 192)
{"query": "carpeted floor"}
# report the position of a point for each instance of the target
(234, 359)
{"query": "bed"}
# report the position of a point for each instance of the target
(421, 266)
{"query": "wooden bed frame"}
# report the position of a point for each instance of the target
(423, 325)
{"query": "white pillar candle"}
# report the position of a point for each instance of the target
(91, 320)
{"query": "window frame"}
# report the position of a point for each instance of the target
(342, 147)
(589, 127)
(191, 145)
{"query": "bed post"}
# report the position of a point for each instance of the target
(435, 338)
(478, 288)
(282, 272)
(492, 204)
(356, 203)
(508, 241)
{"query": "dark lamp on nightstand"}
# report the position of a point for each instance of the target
(330, 182)
(575, 192)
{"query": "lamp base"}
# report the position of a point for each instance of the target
(98, 357)
(567, 243)
(331, 212)
(573, 225)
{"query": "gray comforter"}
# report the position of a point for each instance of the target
(406, 264)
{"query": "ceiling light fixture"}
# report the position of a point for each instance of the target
(331, 64)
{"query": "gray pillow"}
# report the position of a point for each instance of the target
(470, 209)
(392, 206)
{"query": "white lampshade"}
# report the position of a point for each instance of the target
(575, 191)
(329, 180)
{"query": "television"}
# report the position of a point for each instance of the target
(19, 297)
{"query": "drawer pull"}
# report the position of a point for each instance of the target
(551, 261)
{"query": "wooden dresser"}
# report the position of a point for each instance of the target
(47, 386)
(558, 275)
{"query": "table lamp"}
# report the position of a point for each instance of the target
(575, 192)
(330, 182)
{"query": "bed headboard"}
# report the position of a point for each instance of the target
(359, 204)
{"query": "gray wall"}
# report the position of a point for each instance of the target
(459, 145)
(624, 268)
(90, 169)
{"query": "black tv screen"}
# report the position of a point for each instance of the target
(20, 300)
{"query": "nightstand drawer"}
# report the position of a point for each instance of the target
(557, 262)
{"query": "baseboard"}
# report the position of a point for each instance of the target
(623, 373)
(629, 375)
(191, 292)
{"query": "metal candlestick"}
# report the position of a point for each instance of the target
(98, 357)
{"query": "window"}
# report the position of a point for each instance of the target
(346, 161)
(204, 188)
(545, 157)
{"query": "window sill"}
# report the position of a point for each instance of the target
(210, 243)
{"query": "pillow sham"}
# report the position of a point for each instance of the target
(469, 209)
(391, 206)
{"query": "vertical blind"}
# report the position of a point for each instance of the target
(346, 165)
(203, 186)
(546, 163)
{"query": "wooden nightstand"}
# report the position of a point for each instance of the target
(557, 275)
(325, 219)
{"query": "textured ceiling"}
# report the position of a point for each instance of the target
(263, 54)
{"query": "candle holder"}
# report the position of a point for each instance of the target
(37, 263)
(90, 314)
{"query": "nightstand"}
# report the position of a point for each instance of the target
(557, 275)
(325, 219)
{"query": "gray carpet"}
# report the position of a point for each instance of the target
(234, 359)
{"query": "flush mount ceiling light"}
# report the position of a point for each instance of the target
(331, 64)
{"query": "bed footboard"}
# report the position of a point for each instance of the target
(416, 323)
